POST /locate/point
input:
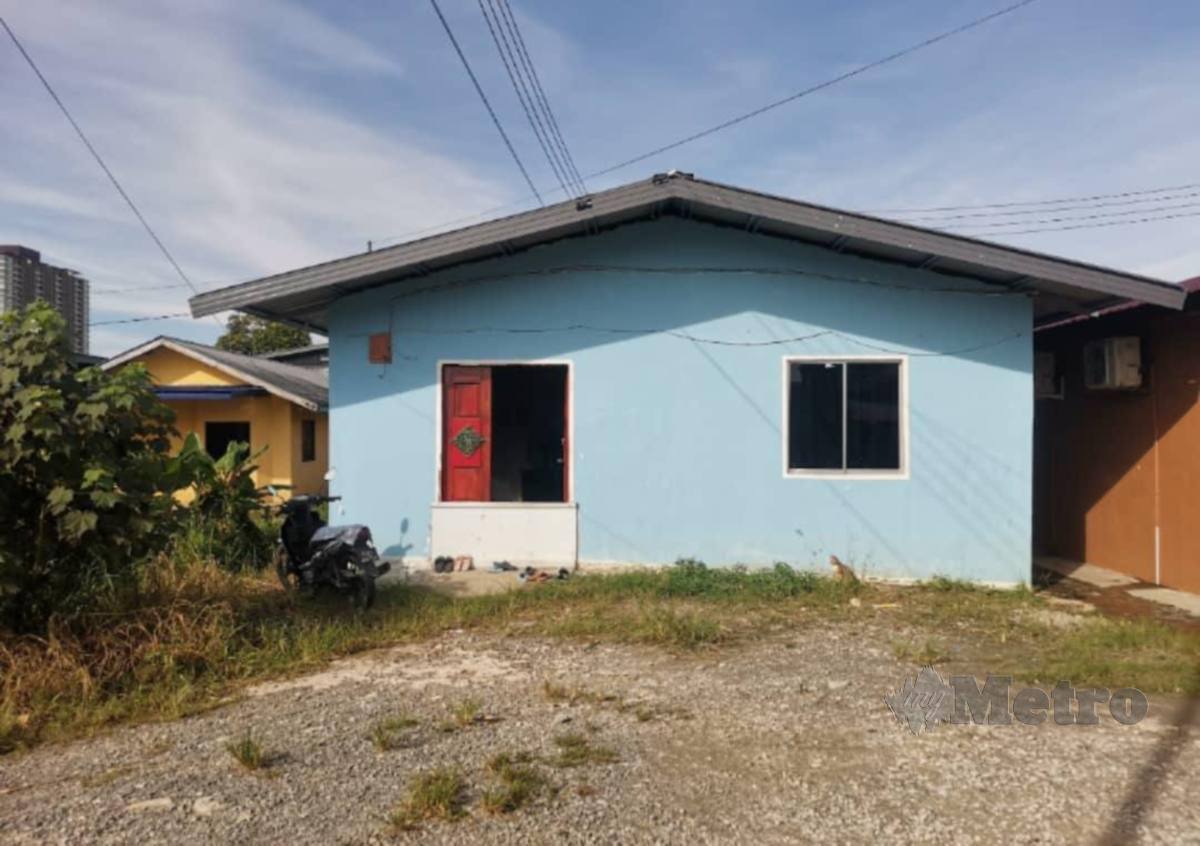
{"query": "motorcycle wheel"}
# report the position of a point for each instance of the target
(281, 570)
(362, 593)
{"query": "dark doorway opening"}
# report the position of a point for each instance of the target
(529, 433)
(218, 436)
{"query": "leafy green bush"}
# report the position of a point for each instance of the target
(85, 473)
(227, 521)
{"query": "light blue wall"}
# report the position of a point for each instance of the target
(677, 449)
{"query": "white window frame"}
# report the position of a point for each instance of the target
(852, 474)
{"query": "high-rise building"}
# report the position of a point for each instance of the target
(25, 278)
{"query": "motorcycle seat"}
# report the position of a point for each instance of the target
(329, 533)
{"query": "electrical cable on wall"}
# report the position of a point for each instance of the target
(696, 339)
(684, 270)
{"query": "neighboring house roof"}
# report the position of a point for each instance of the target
(306, 386)
(1188, 286)
(313, 355)
(81, 360)
(302, 296)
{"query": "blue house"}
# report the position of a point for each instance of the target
(680, 368)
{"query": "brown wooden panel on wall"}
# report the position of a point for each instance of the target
(1112, 466)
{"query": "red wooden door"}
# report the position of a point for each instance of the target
(466, 433)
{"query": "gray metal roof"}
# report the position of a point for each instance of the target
(305, 386)
(302, 296)
(313, 355)
(296, 352)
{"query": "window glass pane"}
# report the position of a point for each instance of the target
(308, 440)
(218, 436)
(873, 416)
(815, 417)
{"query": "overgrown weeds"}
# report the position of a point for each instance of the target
(192, 634)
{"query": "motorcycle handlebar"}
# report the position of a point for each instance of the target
(311, 499)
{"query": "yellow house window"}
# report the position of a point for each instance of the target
(218, 436)
(308, 440)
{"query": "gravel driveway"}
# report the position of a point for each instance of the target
(780, 741)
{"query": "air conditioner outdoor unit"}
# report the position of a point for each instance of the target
(1045, 376)
(1112, 364)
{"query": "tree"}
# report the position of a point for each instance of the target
(255, 336)
(86, 474)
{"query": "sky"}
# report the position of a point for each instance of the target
(260, 137)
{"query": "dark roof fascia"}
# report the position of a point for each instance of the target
(697, 199)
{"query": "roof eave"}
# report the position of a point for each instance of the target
(158, 343)
(694, 198)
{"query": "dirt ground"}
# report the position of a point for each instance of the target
(783, 740)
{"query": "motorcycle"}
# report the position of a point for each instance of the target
(311, 554)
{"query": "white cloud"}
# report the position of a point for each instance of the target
(261, 136)
(241, 170)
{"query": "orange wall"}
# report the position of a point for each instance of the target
(1111, 466)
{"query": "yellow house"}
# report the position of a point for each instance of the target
(224, 396)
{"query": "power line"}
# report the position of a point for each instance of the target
(1073, 218)
(142, 319)
(531, 70)
(100, 161)
(741, 118)
(1016, 203)
(135, 289)
(861, 69)
(479, 90)
(522, 91)
(924, 221)
(525, 76)
(1089, 225)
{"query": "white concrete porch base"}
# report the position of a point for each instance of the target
(1090, 574)
(523, 533)
(1188, 602)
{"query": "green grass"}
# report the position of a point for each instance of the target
(392, 733)
(518, 783)
(197, 636)
(462, 715)
(248, 752)
(466, 712)
(930, 651)
(435, 795)
(576, 750)
(577, 694)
